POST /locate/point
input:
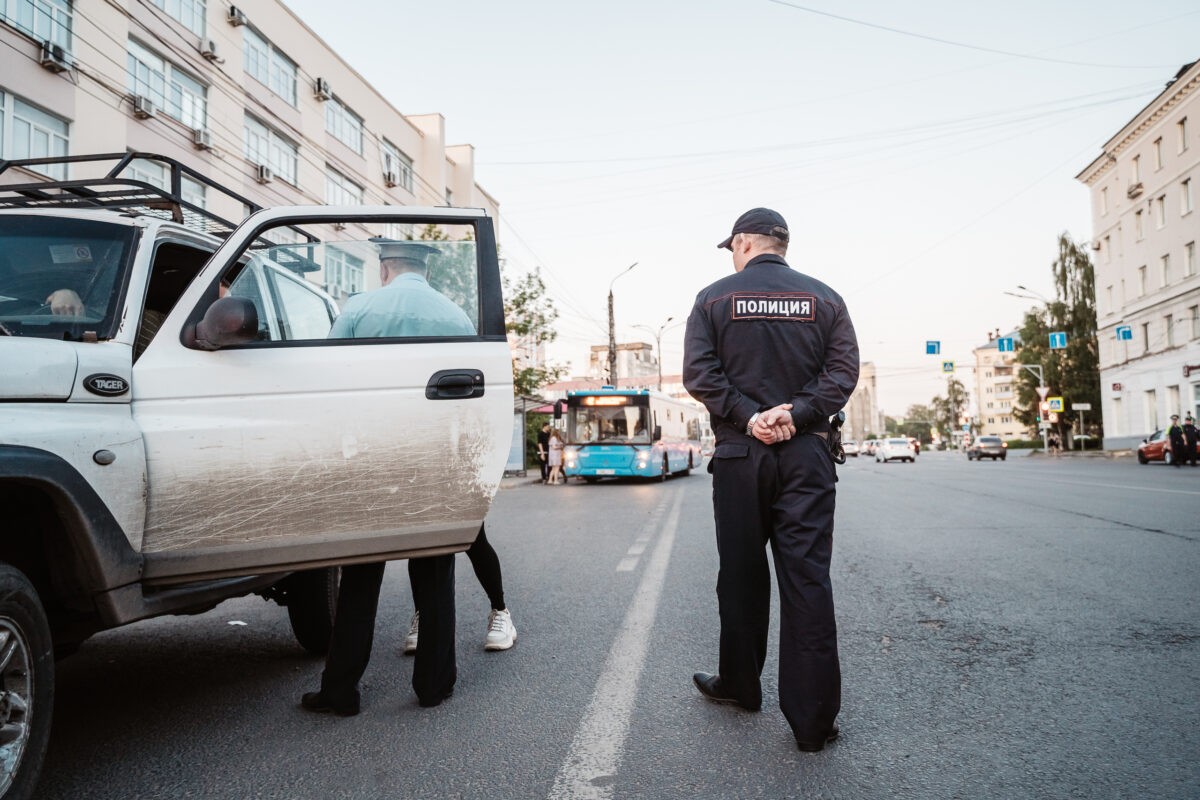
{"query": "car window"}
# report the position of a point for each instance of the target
(302, 312)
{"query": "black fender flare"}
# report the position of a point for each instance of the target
(97, 554)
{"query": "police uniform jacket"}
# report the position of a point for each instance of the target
(769, 335)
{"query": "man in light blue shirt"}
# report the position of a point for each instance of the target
(405, 305)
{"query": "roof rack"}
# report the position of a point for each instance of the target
(117, 192)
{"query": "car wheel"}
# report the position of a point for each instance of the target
(1167, 457)
(26, 684)
(1004, 458)
(1142, 458)
(311, 598)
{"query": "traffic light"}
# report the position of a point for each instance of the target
(1043, 409)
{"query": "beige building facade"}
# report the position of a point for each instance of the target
(247, 95)
(1145, 188)
(996, 389)
(863, 418)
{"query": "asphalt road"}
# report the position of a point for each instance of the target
(1026, 628)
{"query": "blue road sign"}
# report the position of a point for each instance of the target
(1005, 344)
(1058, 340)
(933, 348)
(947, 366)
(1124, 333)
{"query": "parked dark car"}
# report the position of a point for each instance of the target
(992, 447)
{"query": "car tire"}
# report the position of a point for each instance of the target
(1142, 458)
(27, 677)
(311, 604)
(1004, 458)
(1167, 457)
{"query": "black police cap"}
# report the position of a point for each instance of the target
(758, 220)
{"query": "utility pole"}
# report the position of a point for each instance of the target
(657, 344)
(612, 330)
(1042, 391)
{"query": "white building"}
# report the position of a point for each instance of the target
(996, 389)
(248, 96)
(1144, 193)
(634, 360)
(862, 410)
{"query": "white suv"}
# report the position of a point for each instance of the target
(164, 447)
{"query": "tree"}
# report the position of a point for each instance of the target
(1072, 373)
(948, 409)
(529, 316)
(918, 423)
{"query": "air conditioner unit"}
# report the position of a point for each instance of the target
(54, 58)
(1096, 245)
(202, 139)
(321, 89)
(391, 179)
(236, 16)
(1134, 190)
(209, 50)
(143, 107)
(265, 175)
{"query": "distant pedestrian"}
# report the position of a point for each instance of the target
(1176, 442)
(1191, 437)
(556, 458)
(1055, 444)
(543, 448)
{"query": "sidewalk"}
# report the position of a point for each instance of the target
(1083, 453)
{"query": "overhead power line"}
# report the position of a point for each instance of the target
(964, 45)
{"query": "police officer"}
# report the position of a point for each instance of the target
(405, 305)
(772, 354)
(1190, 437)
(1177, 442)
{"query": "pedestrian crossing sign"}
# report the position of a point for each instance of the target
(1056, 404)
(947, 366)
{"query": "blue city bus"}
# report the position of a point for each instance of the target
(631, 433)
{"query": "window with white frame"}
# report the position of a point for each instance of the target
(398, 165)
(1145, 337)
(1173, 399)
(44, 20)
(1108, 295)
(1181, 128)
(1189, 259)
(1136, 169)
(1107, 250)
(267, 147)
(1104, 201)
(1164, 270)
(1169, 322)
(178, 94)
(1138, 230)
(344, 124)
(1194, 313)
(344, 272)
(1141, 275)
(157, 174)
(269, 66)
(1158, 153)
(398, 231)
(190, 12)
(1185, 197)
(340, 190)
(28, 132)
(1160, 211)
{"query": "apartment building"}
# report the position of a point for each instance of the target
(996, 388)
(862, 410)
(1144, 190)
(247, 95)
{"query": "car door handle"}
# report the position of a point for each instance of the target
(454, 384)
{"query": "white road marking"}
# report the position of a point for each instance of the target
(590, 768)
(632, 555)
(636, 549)
(627, 564)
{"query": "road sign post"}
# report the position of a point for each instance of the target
(1042, 391)
(933, 348)
(1058, 340)
(1082, 407)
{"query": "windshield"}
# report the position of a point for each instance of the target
(61, 278)
(608, 424)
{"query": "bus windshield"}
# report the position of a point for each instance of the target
(613, 424)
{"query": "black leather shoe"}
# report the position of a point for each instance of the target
(710, 686)
(818, 746)
(316, 702)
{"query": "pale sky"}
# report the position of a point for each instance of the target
(923, 170)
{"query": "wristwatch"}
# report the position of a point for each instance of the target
(750, 424)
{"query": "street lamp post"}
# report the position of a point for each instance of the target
(657, 344)
(612, 330)
(1043, 390)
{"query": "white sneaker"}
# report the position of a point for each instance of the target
(502, 634)
(410, 642)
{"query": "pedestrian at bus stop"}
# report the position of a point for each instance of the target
(543, 448)
(772, 354)
(1191, 436)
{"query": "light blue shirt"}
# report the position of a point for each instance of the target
(408, 306)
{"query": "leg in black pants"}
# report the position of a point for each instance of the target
(353, 634)
(435, 670)
(486, 564)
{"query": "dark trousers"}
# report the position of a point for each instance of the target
(434, 672)
(1179, 454)
(783, 495)
(545, 468)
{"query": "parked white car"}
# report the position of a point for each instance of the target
(850, 447)
(895, 450)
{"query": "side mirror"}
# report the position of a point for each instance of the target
(657, 433)
(230, 320)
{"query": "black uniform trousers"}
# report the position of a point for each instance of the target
(782, 494)
(434, 671)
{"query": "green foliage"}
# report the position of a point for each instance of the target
(1073, 373)
(948, 409)
(529, 315)
(1024, 444)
